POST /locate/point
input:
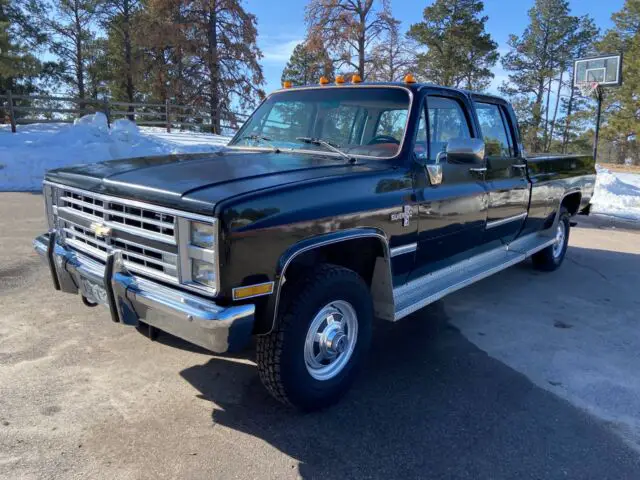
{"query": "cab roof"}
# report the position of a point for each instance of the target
(414, 87)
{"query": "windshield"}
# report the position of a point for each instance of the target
(358, 121)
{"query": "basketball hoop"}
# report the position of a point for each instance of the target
(591, 75)
(587, 88)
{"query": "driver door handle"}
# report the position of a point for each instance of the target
(478, 169)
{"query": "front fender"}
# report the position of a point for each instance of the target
(317, 242)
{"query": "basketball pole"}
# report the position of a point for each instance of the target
(599, 94)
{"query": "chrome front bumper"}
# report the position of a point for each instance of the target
(131, 299)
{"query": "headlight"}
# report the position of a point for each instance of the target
(204, 273)
(198, 249)
(202, 235)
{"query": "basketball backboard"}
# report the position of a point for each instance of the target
(605, 70)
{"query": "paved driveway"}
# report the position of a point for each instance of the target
(507, 379)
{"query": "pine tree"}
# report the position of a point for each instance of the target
(460, 52)
(622, 105)
(19, 67)
(120, 18)
(350, 29)
(534, 61)
(71, 28)
(98, 73)
(162, 46)
(307, 64)
(221, 39)
(201, 53)
(583, 43)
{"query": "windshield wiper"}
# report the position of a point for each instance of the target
(260, 138)
(327, 146)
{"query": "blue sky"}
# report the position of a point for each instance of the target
(281, 25)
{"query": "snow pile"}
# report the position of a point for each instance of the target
(617, 194)
(27, 154)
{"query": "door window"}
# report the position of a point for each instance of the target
(494, 130)
(447, 120)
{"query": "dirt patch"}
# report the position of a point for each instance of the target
(616, 167)
(17, 276)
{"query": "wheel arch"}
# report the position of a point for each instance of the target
(571, 200)
(364, 250)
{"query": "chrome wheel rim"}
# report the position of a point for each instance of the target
(331, 340)
(558, 245)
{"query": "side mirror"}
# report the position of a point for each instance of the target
(465, 150)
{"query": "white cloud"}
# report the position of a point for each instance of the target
(277, 51)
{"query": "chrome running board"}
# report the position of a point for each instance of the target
(419, 293)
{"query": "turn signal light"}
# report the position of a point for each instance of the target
(324, 80)
(409, 78)
(356, 78)
(252, 291)
(287, 84)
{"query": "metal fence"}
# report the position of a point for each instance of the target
(26, 109)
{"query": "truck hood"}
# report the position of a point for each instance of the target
(196, 182)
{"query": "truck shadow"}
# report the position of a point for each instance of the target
(428, 405)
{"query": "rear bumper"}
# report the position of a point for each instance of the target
(131, 299)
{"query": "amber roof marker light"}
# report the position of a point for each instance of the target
(409, 78)
(324, 80)
(339, 79)
(355, 78)
(287, 84)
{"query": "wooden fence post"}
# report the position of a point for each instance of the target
(12, 114)
(107, 112)
(166, 115)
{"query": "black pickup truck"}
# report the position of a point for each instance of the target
(332, 205)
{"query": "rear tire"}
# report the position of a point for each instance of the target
(551, 257)
(321, 337)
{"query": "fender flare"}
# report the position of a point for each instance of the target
(556, 215)
(320, 241)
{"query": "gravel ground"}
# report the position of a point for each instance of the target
(524, 375)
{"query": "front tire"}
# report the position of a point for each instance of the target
(322, 335)
(551, 257)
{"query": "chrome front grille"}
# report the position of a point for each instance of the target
(154, 241)
(136, 257)
(145, 236)
(137, 219)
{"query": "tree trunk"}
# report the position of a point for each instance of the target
(537, 115)
(127, 57)
(555, 110)
(361, 56)
(79, 56)
(361, 42)
(567, 123)
(214, 101)
(545, 136)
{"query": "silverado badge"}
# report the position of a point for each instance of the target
(405, 215)
(100, 229)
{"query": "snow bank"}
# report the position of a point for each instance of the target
(27, 154)
(617, 194)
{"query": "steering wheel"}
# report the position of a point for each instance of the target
(383, 139)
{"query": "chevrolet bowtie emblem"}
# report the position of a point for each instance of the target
(405, 215)
(100, 229)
